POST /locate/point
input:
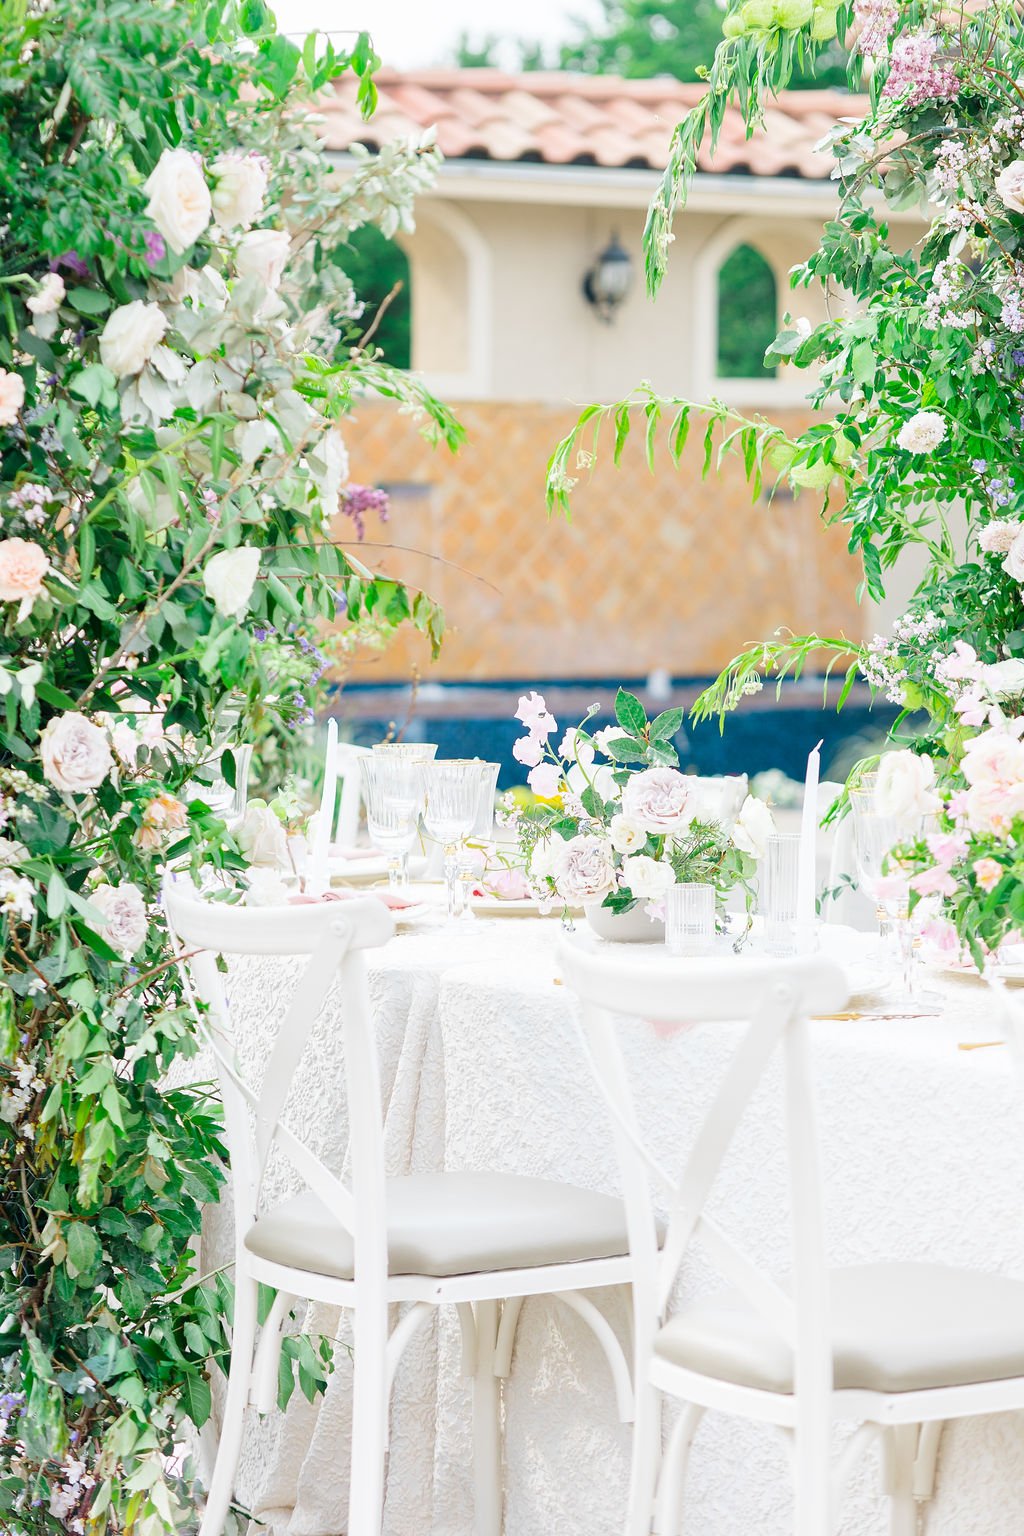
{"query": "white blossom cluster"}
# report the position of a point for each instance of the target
(15, 1100)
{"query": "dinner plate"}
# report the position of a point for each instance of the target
(519, 906)
(369, 870)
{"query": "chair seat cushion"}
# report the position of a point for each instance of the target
(452, 1224)
(895, 1327)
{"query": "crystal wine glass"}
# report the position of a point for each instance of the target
(875, 836)
(451, 806)
(482, 831)
(393, 792)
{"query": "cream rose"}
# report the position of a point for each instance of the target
(647, 878)
(179, 199)
(997, 538)
(262, 253)
(124, 916)
(1013, 565)
(23, 567)
(229, 578)
(584, 868)
(49, 296)
(658, 799)
(905, 785)
(131, 336)
(261, 836)
(240, 186)
(626, 835)
(76, 754)
(12, 396)
(1009, 185)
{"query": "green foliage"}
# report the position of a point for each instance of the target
(747, 315)
(378, 270)
(644, 38)
(168, 473)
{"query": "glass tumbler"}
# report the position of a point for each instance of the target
(780, 879)
(690, 919)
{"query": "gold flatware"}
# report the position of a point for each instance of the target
(978, 1045)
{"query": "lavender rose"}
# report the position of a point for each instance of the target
(659, 800)
(124, 923)
(584, 868)
(76, 754)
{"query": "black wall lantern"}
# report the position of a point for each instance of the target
(609, 279)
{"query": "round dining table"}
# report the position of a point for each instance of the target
(482, 1068)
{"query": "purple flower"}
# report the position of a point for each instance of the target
(73, 262)
(156, 248)
(357, 500)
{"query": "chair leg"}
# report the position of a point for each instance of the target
(243, 1338)
(901, 1443)
(487, 1473)
(668, 1510)
(369, 1415)
(927, 1459)
(643, 1476)
(813, 1477)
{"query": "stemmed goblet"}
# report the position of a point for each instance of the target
(875, 836)
(393, 793)
(451, 805)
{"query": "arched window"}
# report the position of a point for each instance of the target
(377, 266)
(747, 315)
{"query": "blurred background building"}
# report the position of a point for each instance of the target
(520, 300)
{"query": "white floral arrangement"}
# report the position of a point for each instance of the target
(617, 823)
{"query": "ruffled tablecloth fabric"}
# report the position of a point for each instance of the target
(482, 1069)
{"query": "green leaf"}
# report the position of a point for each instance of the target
(84, 1252)
(196, 1398)
(89, 301)
(630, 713)
(665, 725)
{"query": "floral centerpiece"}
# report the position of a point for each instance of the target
(919, 389)
(617, 823)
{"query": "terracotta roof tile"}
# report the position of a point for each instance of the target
(564, 119)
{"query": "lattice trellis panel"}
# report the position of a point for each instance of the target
(658, 570)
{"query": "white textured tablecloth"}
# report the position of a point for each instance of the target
(923, 1157)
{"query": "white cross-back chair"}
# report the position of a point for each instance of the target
(899, 1348)
(479, 1241)
(341, 768)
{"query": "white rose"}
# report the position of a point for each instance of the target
(1004, 679)
(584, 868)
(229, 578)
(76, 754)
(12, 396)
(262, 253)
(124, 923)
(922, 433)
(1009, 185)
(994, 757)
(659, 799)
(131, 336)
(626, 835)
(50, 295)
(647, 878)
(1013, 565)
(905, 785)
(179, 199)
(240, 185)
(754, 826)
(262, 837)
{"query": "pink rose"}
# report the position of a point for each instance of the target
(659, 800)
(529, 751)
(12, 397)
(534, 714)
(23, 566)
(988, 873)
(994, 807)
(544, 780)
(947, 847)
(936, 881)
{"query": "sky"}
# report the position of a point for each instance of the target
(410, 33)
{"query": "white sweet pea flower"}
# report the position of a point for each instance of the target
(12, 396)
(1004, 679)
(179, 199)
(49, 296)
(229, 578)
